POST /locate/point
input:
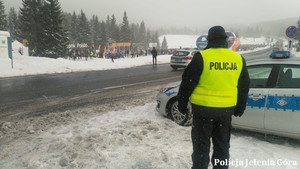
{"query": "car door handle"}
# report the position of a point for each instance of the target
(256, 97)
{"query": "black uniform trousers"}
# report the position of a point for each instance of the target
(211, 123)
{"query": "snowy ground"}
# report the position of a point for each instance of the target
(27, 65)
(134, 138)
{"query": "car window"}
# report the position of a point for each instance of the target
(181, 53)
(289, 77)
(259, 75)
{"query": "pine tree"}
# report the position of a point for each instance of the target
(83, 29)
(96, 31)
(148, 38)
(12, 23)
(114, 33)
(134, 29)
(103, 34)
(164, 44)
(30, 24)
(55, 39)
(67, 19)
(3, 20)
(92, 30)
(142, 34)
(74, 30)
(125, 31)
(108, 29)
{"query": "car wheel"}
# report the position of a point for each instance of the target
(178, 117)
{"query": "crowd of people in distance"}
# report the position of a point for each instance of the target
(85, 53)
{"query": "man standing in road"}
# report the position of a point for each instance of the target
(154, 55)
(216, 82)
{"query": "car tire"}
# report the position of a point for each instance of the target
(178, 117)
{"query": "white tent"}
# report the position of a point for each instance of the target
(4, 44)
(16, 45)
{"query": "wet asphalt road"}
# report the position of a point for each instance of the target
(18, 91)
(58, 85)
(27, 90)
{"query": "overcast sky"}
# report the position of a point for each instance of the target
(190, 13)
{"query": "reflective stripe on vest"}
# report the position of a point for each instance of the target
(218, 82)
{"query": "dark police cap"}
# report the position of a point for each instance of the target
(216, 32)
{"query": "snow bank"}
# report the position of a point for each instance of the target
(27, 65)
(135, 138)
(253, 41)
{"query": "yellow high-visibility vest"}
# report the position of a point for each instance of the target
(218, 82)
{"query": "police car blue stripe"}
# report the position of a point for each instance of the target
(283, 102)
(276, 102)
(170, 93)
(256, 103)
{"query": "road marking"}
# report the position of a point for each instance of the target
(133, 84)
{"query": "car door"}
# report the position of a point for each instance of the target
(283, 105)
(253, 117)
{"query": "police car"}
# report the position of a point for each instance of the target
(273, 105)
(280, 54)
(181, 58)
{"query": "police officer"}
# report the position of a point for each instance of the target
(216, 82)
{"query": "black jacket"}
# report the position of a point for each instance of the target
(192, 74)
(154, 52)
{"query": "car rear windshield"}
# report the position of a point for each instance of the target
(181, 53)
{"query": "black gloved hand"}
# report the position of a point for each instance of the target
(238, 113)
